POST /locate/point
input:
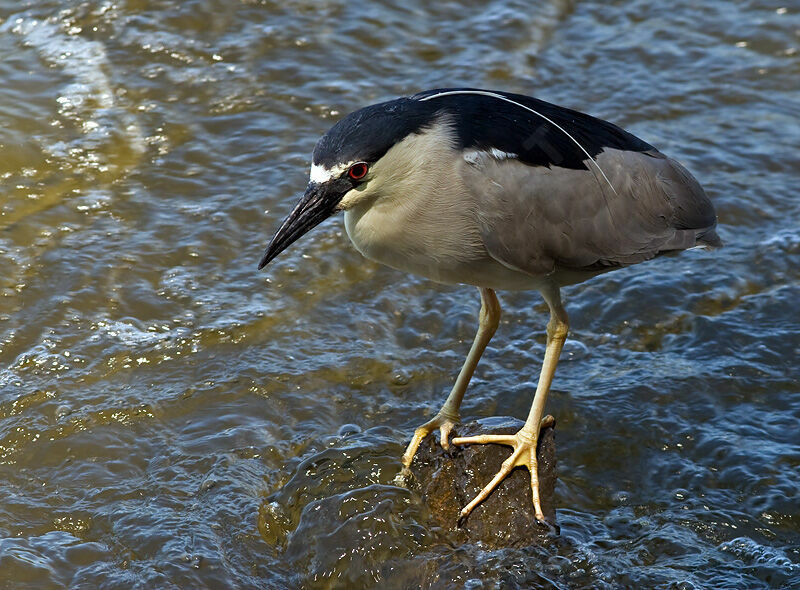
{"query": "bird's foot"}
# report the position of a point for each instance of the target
(444, 422)
(524, 455)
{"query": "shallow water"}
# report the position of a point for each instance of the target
(170, 417)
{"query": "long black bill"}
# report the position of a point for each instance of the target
(317, 204)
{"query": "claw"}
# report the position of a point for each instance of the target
(524, 455)
(445, 430)
(445, 424)
(551, 528)
(461, 520)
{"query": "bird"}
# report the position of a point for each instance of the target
(500, 191)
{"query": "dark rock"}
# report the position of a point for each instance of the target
(449, 480)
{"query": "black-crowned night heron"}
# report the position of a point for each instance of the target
(500, 191)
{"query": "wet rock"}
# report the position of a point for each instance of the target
(448, 481)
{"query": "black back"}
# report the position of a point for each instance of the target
(550, 136)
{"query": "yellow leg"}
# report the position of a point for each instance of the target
(524, 442)
(448, 416)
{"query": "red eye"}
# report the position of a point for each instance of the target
(358, 171)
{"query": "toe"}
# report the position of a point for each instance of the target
(483, 439)
(411, 450)
(445, 424)
(524, 455)
(547, 421)
(445, 430)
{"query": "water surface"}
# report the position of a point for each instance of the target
(170, 417)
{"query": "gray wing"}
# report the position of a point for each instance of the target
(540, 219)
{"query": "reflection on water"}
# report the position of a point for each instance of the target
(171, 417)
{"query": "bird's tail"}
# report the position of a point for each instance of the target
(708, 238)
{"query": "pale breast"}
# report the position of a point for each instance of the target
(442, 245)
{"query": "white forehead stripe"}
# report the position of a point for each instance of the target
(320, 174)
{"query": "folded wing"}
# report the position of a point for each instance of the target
(541, 219)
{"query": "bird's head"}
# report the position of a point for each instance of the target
(350, 164)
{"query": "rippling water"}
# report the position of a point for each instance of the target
(169, 417)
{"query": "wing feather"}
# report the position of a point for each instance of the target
(540, 220)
